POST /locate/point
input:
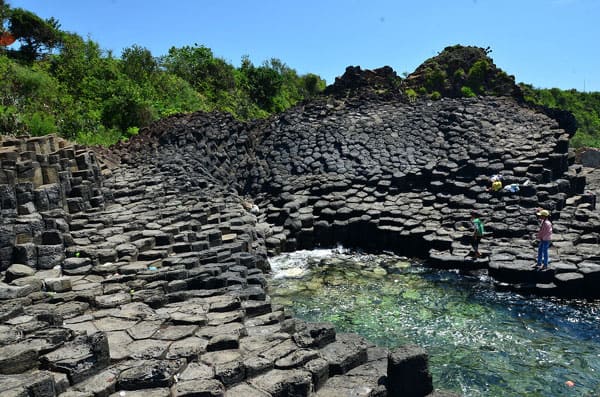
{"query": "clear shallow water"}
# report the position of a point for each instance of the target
(480, 342)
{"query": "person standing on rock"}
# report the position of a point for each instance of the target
(478, 232)
(544, 236)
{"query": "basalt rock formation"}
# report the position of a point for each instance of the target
(143, 267)
(462, 66)
(356, 81)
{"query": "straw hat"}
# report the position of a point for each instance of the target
(544, 213)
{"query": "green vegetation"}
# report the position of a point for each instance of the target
(445, 74)
(411, 94)
(467, 92)
(58, 82)
(460, 71)
(584, 106)
(55, 81)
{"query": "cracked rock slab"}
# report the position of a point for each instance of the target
(198, 388)
(280, 383)
(150, 374)
(81, 358)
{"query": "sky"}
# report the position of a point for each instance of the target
(546, 43)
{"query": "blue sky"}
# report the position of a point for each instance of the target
(547, 43)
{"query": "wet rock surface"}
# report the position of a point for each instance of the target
(148, 276)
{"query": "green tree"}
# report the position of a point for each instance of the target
(71, 86)
(264, 83)
(198, 66)
(584, 106)
(435, 80)
(477, 76)
(175, 95)
(4, 14)
(36, 35)
(126, 106)
(138, 63)
(78, 60)
(312, 84)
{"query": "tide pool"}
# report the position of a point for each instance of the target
(480, 342)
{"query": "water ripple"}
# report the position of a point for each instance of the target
(481, 342)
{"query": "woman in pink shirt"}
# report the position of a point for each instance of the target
(545, 236)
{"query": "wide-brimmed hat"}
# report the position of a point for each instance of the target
(544, 213)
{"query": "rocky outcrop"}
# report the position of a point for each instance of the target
(590, 158)
(161, 291)
(155, 279)
(42, 181)
(356, 82)
(457, 68)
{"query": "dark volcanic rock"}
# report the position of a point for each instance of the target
(17, 358)
(149, 374)
(81, 358)
(408, 373)
(284, 383)
(198, 388)
(152, 253)
(33, 384)
(315, 335)
(347, 352)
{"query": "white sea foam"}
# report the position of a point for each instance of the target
(295, 264)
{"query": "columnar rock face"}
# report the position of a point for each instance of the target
(42, 181)
(150, 278)
(406, 174)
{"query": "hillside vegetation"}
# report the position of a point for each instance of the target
(460, 71)
(469, 71)
(457, 71)
(58, 82)
(585, 106)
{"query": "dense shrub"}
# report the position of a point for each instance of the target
(435, 95)
(467, 92)
(446, 74)
(584, 106)
(59, 82)
(40, 123)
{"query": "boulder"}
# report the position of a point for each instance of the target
(278, 383)
(32, 384)
(347, 352)
(198, 388)
(591, 158)
(148, 374)
(83, 357)
(17, 358)
(315, 335)
(408, 372)
(16, 271)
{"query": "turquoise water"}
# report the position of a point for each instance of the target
(480, 342)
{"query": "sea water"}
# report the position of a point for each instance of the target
(481, 342)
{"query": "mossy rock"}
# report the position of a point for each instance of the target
(456, 67)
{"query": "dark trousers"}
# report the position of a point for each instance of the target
(475, 242)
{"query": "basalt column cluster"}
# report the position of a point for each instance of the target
(405, 177)
(42, 181)
(141, 269)
(161, 291)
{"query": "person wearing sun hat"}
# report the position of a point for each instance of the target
(544, 235)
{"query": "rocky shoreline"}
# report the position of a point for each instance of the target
(140, 269)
